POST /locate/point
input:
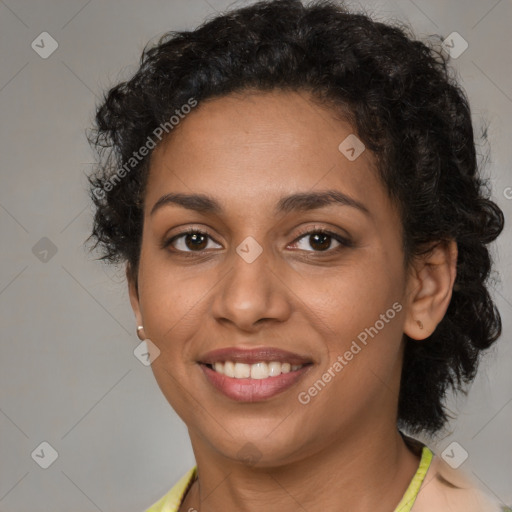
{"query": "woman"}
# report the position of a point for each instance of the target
(295, 193)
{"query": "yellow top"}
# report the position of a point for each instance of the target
(409, 497)
(172, 500)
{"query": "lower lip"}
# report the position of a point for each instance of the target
(253, 390)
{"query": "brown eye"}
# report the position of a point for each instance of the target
(195, 241)
(191, 241)
(321, 240)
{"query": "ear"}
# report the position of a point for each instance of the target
(429, 289)
(133, 293)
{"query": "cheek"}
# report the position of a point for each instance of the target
(358, 312)
(349, 298)
(358, 315)
(171, 300)
(170, 305)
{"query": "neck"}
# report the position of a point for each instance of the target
(364, 470)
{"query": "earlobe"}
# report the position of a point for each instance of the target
(430, 289)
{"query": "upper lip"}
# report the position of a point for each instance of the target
(253, 355)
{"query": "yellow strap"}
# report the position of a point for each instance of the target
(412, 491)
(172, 500)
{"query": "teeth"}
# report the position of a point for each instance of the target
(259, 370)
(229, 368)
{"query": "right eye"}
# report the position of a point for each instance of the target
(191, 240)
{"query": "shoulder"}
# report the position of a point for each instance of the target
(445, 488)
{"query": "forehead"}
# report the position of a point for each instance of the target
(249, 149)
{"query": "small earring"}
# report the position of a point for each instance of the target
(420, 324)
(139, 334)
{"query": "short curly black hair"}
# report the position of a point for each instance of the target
(401, 98)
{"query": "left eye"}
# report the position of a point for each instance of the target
(321, 240)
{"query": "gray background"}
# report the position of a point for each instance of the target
(68, 375)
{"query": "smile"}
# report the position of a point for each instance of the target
(262, 386)
(261, 370)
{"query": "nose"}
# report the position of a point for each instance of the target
(252, 294)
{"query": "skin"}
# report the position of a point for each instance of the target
(247, 151)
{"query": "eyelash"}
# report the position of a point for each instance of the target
(344, 242)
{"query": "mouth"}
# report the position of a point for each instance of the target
(259, 370)
(252, 356)
(253, 383)
(253, 374)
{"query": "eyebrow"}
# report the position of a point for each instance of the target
(303, 201)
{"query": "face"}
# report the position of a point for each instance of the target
(316, 278)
